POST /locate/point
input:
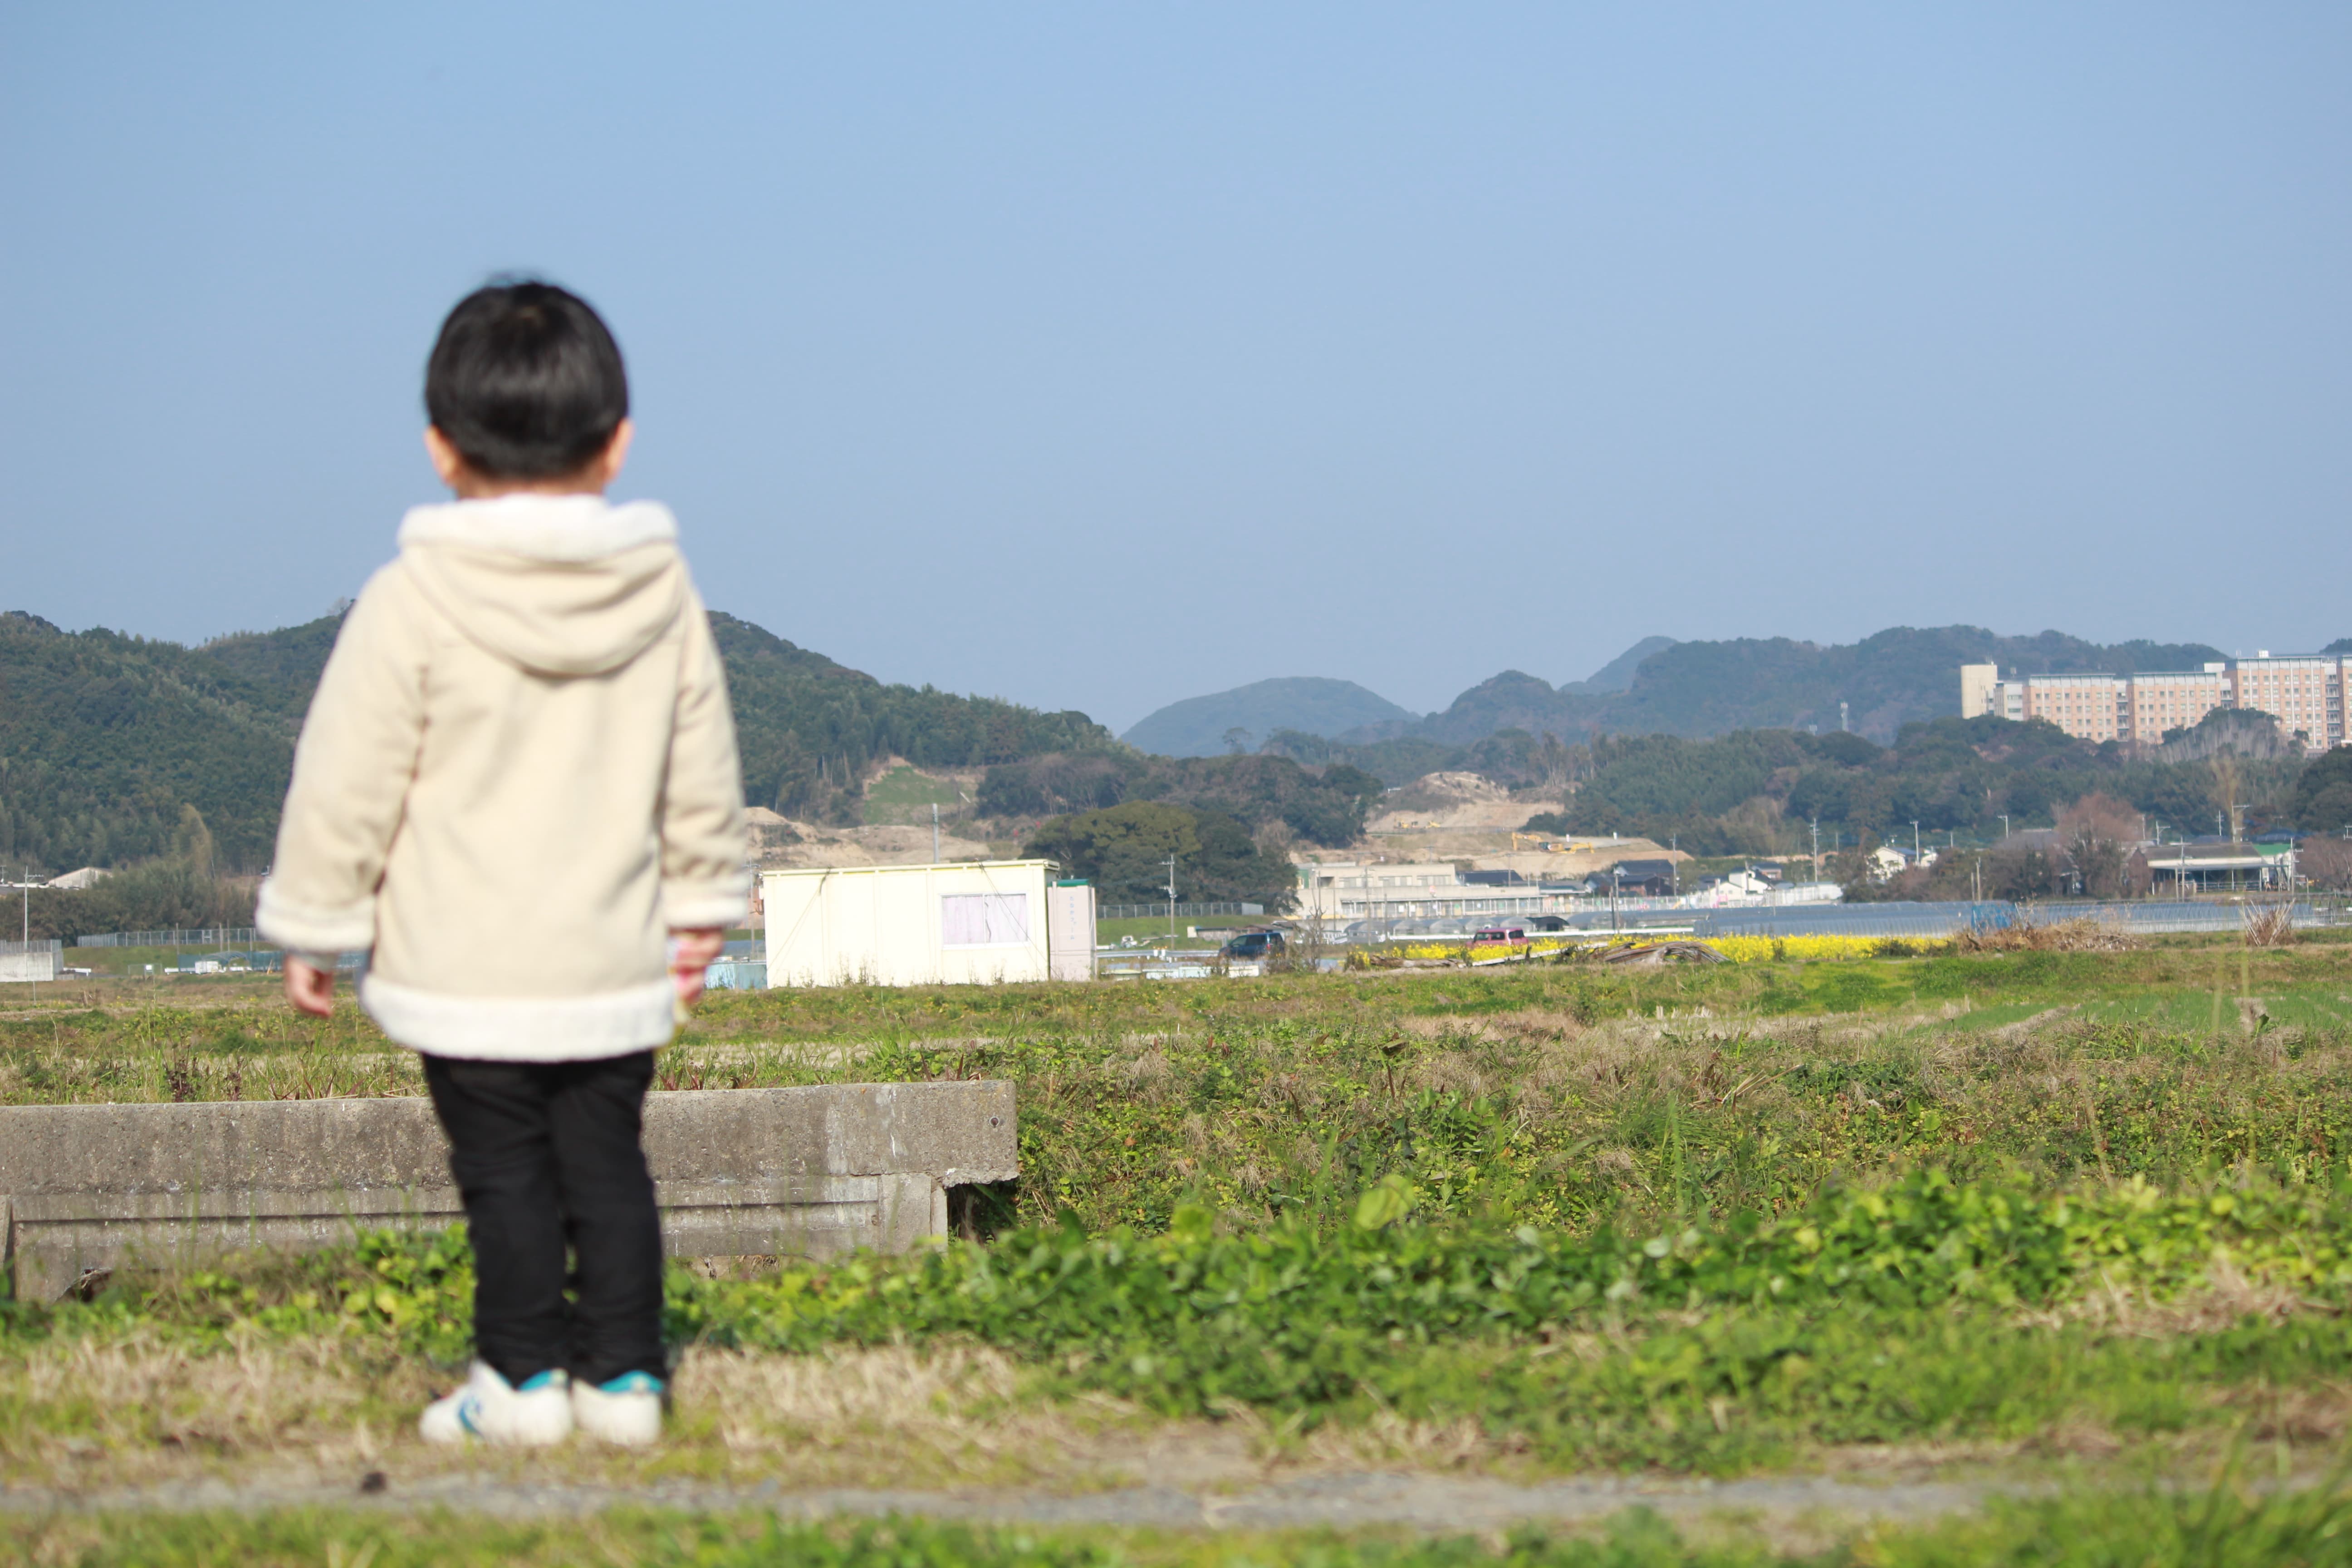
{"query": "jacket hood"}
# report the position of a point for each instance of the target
(555, 584)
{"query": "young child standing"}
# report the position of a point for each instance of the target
(516, 790)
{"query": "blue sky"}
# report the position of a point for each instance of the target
(1098, 356)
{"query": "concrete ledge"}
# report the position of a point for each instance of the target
(797, 1172)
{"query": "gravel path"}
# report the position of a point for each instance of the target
(1340, 1501)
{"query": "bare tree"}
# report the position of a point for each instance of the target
(2327, 861)
(2097, 833)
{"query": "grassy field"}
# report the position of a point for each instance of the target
(2043, 1214)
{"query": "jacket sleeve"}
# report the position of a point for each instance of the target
(352, 768)
(704, 879)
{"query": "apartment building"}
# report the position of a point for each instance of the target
(2306, 693)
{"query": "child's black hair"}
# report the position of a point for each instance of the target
(525, 381)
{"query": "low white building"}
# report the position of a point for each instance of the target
(984, 923)
(1345, 890)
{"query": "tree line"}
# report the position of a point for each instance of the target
(1761, 790)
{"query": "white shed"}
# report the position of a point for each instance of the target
(981, 923)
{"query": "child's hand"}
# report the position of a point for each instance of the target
(310, 989)
(690, 953)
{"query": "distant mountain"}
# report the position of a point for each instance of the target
(1701, 688)
(104, 737)
(1312, 705)
(1617, 675)
(1696, 688)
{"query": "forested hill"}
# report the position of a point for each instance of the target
(104, 736)
(1695, 689)
(806, 725)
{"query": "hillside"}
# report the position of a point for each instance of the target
(809, 728)
(1618, 673)
(1693, 688)
(104, 736)
(1313, 705)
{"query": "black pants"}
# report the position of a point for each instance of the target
(546, 1157)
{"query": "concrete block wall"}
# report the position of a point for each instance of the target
(810, 1172)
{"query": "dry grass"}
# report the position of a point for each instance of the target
(89, 1413)
(952, 1414)
(140, 1407)
(2268, 925)
(2223, 1300)
(2084, 934)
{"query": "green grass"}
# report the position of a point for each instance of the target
(1717, 1219)
(906, 795)
(1560, 1095)
(1923, 1311)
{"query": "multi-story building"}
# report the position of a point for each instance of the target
(2159, 701)
(2306, 693)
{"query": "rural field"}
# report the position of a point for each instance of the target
(1921, 1256)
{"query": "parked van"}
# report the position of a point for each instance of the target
(1254, 944)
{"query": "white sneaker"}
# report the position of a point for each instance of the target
(627, 1410)
(493, 1410)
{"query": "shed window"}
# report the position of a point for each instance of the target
(984, 920)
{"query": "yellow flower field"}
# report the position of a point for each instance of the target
(1757, 949)
(1738, 949)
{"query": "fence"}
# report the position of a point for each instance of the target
(213, 936)
(1184, 912)
(1940, 919)
(737, 975)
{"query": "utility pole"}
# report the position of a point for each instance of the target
(1817, 849)
(1171, 900)
(1843, 727)
(2004, 823)
(935, 833)
(1915, 841)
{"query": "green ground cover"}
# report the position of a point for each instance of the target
(1716, 1220)
(1916, 1311)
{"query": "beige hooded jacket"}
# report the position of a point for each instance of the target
(518, 776)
